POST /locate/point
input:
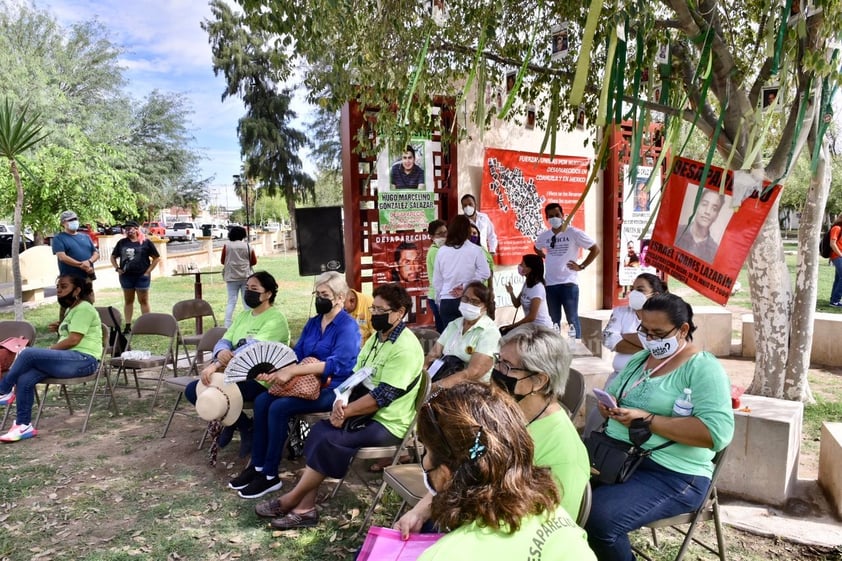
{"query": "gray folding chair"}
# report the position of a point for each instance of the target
(197, 310)
(152, 324)
(100, 372)
(11, 328)
(574, 393)
(585, 506)
(709, 510)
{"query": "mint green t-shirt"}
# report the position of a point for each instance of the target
(711, 397)
(399, 365)
(483, 337)
(271, 325)
(431, 261)
(545, 537)
(559, 447)
(83, 318)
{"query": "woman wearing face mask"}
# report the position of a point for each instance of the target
(395, 358)
(533, 366)
(533, 295)
(620, 334)
(328, 346)
(498, 504)
(473, 338)
(458, 263)
(76, 353)
(237, 259)
(674, 479)
(261, 322)
(438, 233)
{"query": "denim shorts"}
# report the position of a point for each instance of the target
(135, 282)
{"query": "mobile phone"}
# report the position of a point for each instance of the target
(605, 398)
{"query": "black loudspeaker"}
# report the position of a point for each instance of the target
(321, 243)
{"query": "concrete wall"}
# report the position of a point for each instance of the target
(825, 351)
(830, 460)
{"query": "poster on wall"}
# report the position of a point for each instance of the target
(405, 183)
(516, 186)
(402, 257)
(696, 223)
(637, 202)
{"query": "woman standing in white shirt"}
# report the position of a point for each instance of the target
(533, 295)
(458, 263)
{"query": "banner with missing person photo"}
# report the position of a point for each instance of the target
(696, 224)
(402, 257)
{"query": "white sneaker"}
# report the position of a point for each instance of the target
(571, 332)
(19, 432)
(8, 398)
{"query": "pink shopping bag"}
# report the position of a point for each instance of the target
(385, 544)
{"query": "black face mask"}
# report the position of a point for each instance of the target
(252, 298)
(323, 305)
(508, 383)
(67, 300)
(380, 322)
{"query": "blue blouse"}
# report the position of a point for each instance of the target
(338, 346)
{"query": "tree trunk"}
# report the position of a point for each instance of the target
(290, 200)
(770, 301)
(16, 238)
(796, 386)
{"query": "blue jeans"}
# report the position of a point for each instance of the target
(271, 425)
(436, 315)
(836, 291)
(564, 296)
(653, 492)
(34, 365)
(235, 288)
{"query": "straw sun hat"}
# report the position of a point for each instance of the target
(219, 401)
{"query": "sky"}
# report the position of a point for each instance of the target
(165, 48)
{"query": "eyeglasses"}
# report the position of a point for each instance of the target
(255, 289)
(325, 295)
(376, 311)
(504, 367)
(473, 301)
(653, 334)
(434, 421)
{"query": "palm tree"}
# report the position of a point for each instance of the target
(17, 135)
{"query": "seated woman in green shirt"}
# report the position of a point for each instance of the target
(261, 322)
(477, 463)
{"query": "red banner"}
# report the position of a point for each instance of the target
(516, 186)
(402, 257)
(699, 237)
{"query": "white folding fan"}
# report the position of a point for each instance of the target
(258, 358)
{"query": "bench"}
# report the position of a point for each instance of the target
(825, 350)
(39, 270)
(830, 460)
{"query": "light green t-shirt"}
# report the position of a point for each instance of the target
(271, 325)
(559, 447)
(711, 404)
(483, 337)
(554, 537)
(399, 365)
(83, 318)
(431, 261)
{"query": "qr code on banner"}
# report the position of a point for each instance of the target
(518, 195)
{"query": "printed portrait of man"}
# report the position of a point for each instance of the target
(408, 263)
(697, 237)
(406, 174)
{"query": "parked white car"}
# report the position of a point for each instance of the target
(216, 231)
(183, 231)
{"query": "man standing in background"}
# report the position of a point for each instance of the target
(75, 252)
(487, 235)
(560, 246)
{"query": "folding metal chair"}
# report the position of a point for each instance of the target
(179, 383)
(101, 372)
(11, 328)
(708, 511)
(197, 310)
(153, 324)
(574, 393)
(585, 506)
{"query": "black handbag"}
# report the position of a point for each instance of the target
(451, 364)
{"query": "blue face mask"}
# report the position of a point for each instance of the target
(73, 225)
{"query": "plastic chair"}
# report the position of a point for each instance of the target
(100, 372)
(574, 393)
(709, 510)
(153, 324)
(395, 467)
(11, 328)
(195, 309)
(427, 337)
(206, 344)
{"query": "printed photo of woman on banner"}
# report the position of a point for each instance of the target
(695, 222)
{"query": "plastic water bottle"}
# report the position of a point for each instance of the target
(683, 406)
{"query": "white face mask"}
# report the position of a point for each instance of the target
(661, 348)
(439, 241)
(469, 210)
(73, 225)
(556, 222)
(469, 311)
(429, 484)
(521, 271)
(637, 299)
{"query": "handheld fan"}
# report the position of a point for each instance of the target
(258, 358)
